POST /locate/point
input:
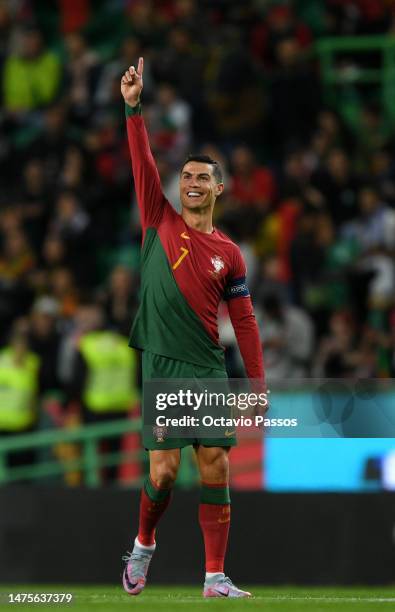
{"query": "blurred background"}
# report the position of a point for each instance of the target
(296, 101)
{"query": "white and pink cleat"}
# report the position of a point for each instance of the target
(135, 573)
(222, 586)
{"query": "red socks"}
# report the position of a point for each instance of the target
(153, 503)
(214, 519)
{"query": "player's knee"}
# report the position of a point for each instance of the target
(215, 466)
(164, 474)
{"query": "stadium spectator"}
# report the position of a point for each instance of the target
(5, 35)
(170, 125)
(294, 96)
(374, 233)
(329, 122)
(357, 17)
(73, 172)
(107, 93)
(337, 187)
(188, 17)
(234, 114)
(145, 23)
(79, 324)
(372, 133)
(119, 300)
(34, 202)
(268, 281)
(81, 76)
(288, 337)
(103, 376)
(44, 340)
(70, 223)
(339, 254)
(181, 65)
(251, 195)
(374, 227)
(65, 291)
(295, 173)
(32, 74)
(305, 260)
(280, 23)
(19, 390)
(252, 186)
(382, 170)
(338, 355)
(53, 253)
(51, 142)
(16, 258)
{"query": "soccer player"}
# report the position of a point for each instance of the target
(188, 267)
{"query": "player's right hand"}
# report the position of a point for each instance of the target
(132, 83)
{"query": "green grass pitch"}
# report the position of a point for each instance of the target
(183, 598)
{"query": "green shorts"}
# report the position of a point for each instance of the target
(157, 366)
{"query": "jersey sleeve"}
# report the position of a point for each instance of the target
(243, 319)
(236, 285)
(150, 198)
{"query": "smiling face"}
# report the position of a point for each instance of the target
(198, 186)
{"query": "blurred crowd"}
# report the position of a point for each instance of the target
(310, 201)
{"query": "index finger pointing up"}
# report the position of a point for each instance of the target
(140, 67)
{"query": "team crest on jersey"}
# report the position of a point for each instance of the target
(218, 265)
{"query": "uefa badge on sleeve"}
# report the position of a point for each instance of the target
(159, 433)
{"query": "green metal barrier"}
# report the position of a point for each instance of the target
(384, 76)
(91, 460)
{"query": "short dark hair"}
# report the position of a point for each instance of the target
(205, 159)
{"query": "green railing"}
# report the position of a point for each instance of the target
(90, 460)
(333, 76)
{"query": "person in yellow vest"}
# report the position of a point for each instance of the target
(19, 388)
(104, 375)
(32, 75)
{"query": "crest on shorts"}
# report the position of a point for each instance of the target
(159, 433)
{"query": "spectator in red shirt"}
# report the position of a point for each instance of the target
(279, 24)
(252, 185)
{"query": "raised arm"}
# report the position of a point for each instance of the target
(150, 198)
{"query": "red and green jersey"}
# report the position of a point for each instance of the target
(185, 274)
